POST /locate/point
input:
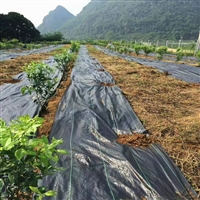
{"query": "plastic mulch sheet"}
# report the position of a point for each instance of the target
(13, 103)
(7, 55)
(183, 72)
(90, 115)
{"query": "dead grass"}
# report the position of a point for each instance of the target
(168, 108)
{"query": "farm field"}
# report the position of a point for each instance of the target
(168, 108)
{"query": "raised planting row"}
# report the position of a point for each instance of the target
(26, 158)
(160, 53)
(180, 71)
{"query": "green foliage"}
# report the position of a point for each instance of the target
(64, 59)
(14, 41)
(198, 57)
(148, 49)
(137, 49)
(25, 159)
(110, 46)
(9, 44)
(50, 37)
(179, 54)
(129, 50)
(75, 46)
(147, 20)
(161, 51)
(122, 50)
(16, 26)
(38, 74)
(102, 43)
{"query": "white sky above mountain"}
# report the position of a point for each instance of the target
(36, 10)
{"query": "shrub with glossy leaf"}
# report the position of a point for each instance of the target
(41, 82)
(25, 159)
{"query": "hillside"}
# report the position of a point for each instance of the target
(15, 26)
(147, 19)
(54, 20)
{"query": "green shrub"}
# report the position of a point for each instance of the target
(75, 46)
(160, 51)
(137, 49)
(179, 54)
(14, 41)
(198, 57)
(38, 74)
(25, 159)
(56, 36)
(148, 49)
(64, 59)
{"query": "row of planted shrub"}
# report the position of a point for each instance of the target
(25, 158)
(160, 51)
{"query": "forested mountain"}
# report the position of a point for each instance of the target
(133, 19)
(54, 20)
(15, 25)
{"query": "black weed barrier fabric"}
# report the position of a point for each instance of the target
(14, 104)
(183, 72)
(90, 115)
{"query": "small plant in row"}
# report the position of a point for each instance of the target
(41, 82)
(160, 51)
(26, 159)
(64, 60)
(179, 54)
(198, 57)
(39, 75)
(137, 48)
(148, 49)
(75, 46)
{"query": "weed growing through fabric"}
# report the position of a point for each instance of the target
(25, 159)
(177, 131)
(137, 49)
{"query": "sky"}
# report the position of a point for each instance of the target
(36, 10)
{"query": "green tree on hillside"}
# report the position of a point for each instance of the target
(15, 25)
